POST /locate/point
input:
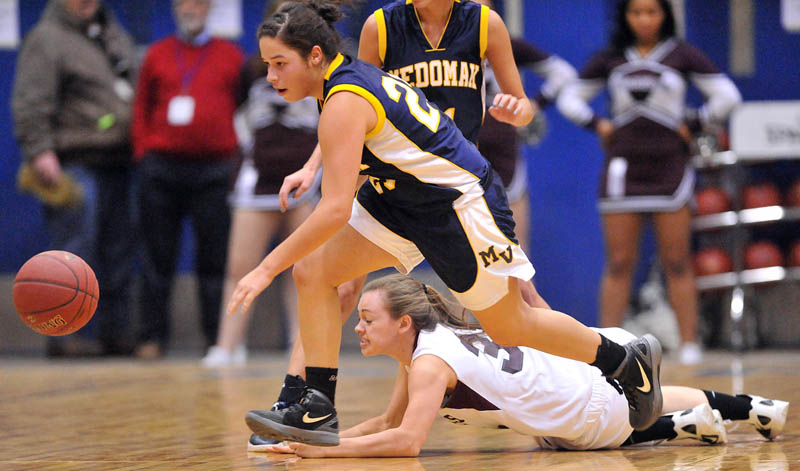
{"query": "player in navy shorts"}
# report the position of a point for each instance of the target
(428, 186)
(443, 48)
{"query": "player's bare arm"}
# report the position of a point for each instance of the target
(428, 381)
(368, 42)
(393, 415)
(341, 142)
(511, 106)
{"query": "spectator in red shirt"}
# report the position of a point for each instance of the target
(183, 138)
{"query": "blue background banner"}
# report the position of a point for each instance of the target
(567, 246)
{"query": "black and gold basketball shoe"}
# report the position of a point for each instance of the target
(638, 378)
(311, 420)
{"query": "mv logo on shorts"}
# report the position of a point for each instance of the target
(490, 255)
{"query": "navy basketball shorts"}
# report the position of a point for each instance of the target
(470, 243)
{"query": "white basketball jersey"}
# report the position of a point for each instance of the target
(520, 388)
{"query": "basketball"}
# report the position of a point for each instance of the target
(55, 293)
(711, 200)
(794, 254)
(712, 261)
(760, 195)
(762, 254)
(793, 194)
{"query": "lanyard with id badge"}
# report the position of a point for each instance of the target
(180, 111)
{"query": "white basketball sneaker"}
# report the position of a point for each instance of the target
(768, 416)
(700, 423)
(690, 354)
(218, 357)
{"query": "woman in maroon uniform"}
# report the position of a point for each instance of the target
(647, 169)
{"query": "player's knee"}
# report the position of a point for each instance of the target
(348, 296)
(306, 272)
(620, 266)
(349, 290)
(677, 266)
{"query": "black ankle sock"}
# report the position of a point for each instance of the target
(609, 356)
(292, 389)
(323, 380)
(730, 407)
(662, 429)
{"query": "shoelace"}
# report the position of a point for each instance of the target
(297, 404)
(613, 382)
(630, 395)
(279, 405)
(628, 391)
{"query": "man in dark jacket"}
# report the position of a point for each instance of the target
(71, 106)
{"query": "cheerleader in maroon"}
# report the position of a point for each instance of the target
(647, 71)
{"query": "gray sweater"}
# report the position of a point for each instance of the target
(66, 97)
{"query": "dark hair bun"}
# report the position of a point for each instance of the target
(327, 10)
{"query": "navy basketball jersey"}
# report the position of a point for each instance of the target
(450, 73)
(416, 157)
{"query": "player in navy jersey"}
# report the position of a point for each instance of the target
(430, 195)
(399, 38)
(648, 171)
(449, 368)
(440, 46)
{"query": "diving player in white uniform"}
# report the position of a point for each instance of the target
(431, 196)
(446, 367)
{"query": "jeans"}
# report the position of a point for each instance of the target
(100, 231)
(169, 191)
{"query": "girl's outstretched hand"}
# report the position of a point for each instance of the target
(307, 451)
(282, 447)
(247, 289)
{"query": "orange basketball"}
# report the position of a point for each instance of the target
(794, 254)
(762, 254)
(761, 194)
(711, 200)
(712, 261)
(793, 194)
(55, 293)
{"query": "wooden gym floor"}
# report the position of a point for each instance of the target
(172, 414)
